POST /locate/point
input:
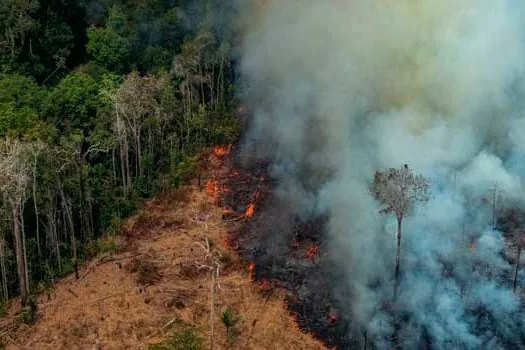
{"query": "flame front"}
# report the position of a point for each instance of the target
(312, 252)
(212, 187)
(221, 151)
(250, 211)
(251, 268)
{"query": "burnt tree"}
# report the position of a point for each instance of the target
(519, 239)
(398, 190)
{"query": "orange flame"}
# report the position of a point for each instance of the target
(228, 211)
(251, 267)
(472, 247)
(250, 211)
(312, 252)
(212, 187)
(221, 151)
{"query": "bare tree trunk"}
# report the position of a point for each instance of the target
(212, 306)
(5, 293)
(114, 167)
(211, 86)
(67, 212)
(220, 84)
(517, 268)
(39, 249)
(22, 228)
(494, 194)
(398, 253)
(128, 167)
(139, 155)
(123, 168)
(19, 252)
(57, 241)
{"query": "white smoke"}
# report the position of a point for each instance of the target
(342, 88)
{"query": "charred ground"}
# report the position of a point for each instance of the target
(289, 252)
(286, 250)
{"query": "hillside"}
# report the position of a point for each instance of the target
(153, 288)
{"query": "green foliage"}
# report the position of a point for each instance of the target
(109, 49)
(58, 39)
(230, 321)
(3, 308)
(20, 91)
(155, 58)
(184, 170)
(101, 246)
(67, 267)
(29, 313)
(73, 103)
(185, 337)
(117, 20)
(98, 140)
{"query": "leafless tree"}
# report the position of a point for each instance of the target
(136, 103)
(211, 261)
(519, 238)
(398, 190)
(36, 149)
(494, 191)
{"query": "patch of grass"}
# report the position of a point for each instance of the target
(107, 246)
(101, 246)
(185, 337)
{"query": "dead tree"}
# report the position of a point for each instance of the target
(494, 198)
(398, 190)
(519, 238)
(211, 261)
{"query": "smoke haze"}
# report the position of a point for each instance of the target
(342, 88)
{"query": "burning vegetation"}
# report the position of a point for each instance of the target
(246, 195)
(293, 259)
(442, 269)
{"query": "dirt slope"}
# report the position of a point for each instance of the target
(110, 308)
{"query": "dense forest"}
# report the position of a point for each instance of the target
(102, 103)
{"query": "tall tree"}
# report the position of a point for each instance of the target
(398, 190)
(14, 179)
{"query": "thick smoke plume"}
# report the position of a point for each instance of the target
(342, 88)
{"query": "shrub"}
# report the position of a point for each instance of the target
(230, 321)
(29, 313)
(186, 337)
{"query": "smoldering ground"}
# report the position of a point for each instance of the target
(342, 88)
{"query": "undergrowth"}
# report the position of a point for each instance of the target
(184, 337)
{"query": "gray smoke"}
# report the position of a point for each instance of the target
(342, 88)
